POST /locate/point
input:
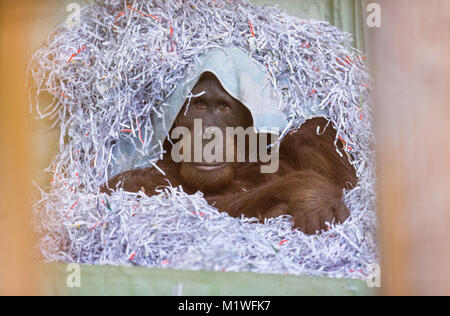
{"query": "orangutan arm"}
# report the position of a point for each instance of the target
(310, 198)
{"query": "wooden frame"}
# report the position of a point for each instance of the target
(411, 70)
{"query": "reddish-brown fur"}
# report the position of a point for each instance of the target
(308, 184)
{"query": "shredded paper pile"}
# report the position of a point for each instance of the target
(114, 69)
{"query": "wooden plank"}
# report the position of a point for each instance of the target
(16, 268)
(411, 67)
(129, 281)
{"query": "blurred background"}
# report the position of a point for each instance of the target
(408, 57)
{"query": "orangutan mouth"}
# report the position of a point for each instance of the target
(209, 167)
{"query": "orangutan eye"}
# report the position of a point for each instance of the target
(200, 104)
(224, 107)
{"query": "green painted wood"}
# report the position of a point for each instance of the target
(130, 281)
(349, 15)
